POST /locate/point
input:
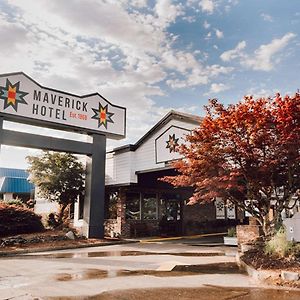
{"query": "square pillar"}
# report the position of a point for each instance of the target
(8, 196)
(93, 214)
(1, 132)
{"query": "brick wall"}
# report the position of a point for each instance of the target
(197, 212)
(201, 218)
(247, 233)
(140, 228)
(196, 218)
(121, 214)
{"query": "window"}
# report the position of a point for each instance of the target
(81, 207)
(133, 208)
(149, 207)
(170, 207)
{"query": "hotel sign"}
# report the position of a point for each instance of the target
(21, 98)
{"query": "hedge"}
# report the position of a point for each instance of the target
(17, 219)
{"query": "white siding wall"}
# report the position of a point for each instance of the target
(109, 169)
(121, 168)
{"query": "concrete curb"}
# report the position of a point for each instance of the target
(154, 240)
(36, 250)
(261, 276)
(257, 275)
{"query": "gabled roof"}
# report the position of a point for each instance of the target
(9, 172)
(189, 118)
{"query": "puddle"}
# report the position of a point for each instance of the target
(88, 274)
(178, 271)
(122, 253)
(198, 254)
(206, 245)
(219, 268)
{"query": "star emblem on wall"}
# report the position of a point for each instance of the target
(102, 115)
(220, 205)
(172, 143)
(12, 95)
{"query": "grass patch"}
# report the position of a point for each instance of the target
(279, 246)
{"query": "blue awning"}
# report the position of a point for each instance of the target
(15, 185)
(14, 181)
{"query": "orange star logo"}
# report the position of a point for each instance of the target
(102, 115)
(12, 95)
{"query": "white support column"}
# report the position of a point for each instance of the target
(7, 196)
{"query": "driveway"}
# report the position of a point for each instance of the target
(184, 267)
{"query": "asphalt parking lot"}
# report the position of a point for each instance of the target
(199, 268)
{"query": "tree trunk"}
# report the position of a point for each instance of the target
(61, 213)
(277, 221)
(266, 225)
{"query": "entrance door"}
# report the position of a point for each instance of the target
(170, 222)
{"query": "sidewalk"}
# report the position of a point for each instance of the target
(180, 238)
(66, 247)
(194, 239)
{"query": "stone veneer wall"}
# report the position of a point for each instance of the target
(121, 214)
(112, 228)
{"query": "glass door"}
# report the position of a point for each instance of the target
(170, 215)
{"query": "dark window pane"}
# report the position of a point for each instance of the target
(149, 207)
(170, 207)
(133, 206)
(80, 209)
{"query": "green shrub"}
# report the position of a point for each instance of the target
(53, 221)
(20, 202)
(231, 232)
(17, 219)
(278, 244)
(16, 202)
(296, 251)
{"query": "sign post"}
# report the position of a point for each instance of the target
(93, 212)
(24, 100)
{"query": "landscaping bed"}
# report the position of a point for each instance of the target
(22, 231)
(260, 261)
(50, 239)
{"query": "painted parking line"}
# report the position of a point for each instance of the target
(182, 237)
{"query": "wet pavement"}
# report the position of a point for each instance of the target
(191, 269)
(179, 270)
(205, 293)
(116, 253)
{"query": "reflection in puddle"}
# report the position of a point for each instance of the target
(123, 253)
(180, 270)
(220, 268)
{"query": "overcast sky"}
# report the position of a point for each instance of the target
(152, 56)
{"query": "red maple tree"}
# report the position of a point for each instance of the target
(247, 151)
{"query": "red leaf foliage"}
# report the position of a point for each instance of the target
(249, 150)
(17, 220)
